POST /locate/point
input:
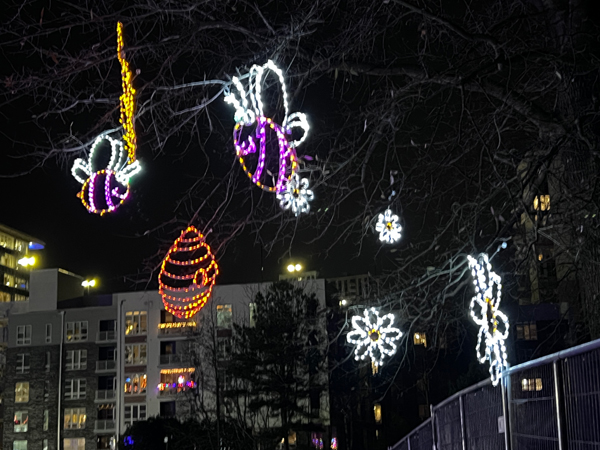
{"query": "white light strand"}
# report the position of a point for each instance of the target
(390, 230)
(485, 313)
(296, 196)
(373, 336)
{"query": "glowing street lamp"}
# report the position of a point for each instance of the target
(87, 284)
(27, 261)
(294, 268)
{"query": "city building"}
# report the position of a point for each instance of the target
(83, 368)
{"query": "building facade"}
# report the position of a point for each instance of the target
(81, 369)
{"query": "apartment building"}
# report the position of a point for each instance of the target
(83, 368)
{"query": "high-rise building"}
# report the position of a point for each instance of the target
(83, 368)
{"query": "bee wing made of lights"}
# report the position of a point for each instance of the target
(484, 309)
(373, 336)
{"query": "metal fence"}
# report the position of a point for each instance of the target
(551, 403)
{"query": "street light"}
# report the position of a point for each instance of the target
(294, 268)
(87, 284)
(25, 261)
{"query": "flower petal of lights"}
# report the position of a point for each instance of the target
(188, 274)
(390, 230)
(122, 165)
(296, 195)
(484, 310)
(373, 336)
(259, 163)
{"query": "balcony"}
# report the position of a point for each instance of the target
(106, 336)
(106, 395)
(173, 329)
(166, 360)
(104, 425)
(171, 392)
(106, 366)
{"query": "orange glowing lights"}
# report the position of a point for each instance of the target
(127, 99)
(188, 274)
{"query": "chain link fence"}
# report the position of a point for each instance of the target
(551, 403)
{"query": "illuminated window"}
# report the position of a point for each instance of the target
(252, 307)
(531, 384)
(77, 331)
(73, 444)
(21, 421)
(176, 380)
(224, 316)
(9, 280)
(541, 203)
(136, 322)
(46, 419)
(8, 261)
(420, 339)
(22, 392)
(4, 297)
(135, 383)
(134, 412)
(19, 445)
(45, 444)
(377, 412)
(75, 388)
(135, 354)
(24, 335)
(527, 331)
(76, 360)
(21, 298)
(74, 419)
(22, 362)
(7, 241)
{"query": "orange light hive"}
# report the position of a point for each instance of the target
(188, 274)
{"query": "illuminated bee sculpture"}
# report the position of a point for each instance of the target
(493, 323)
(262, 145)
(106, 184)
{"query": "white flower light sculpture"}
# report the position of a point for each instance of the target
(296, 195)
(389, 227)
(485, 313)
(374, 336)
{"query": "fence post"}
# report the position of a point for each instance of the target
(559, 404)
(433, 433)
(463, 424)
(506, 398)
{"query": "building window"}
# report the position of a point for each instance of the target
(22, 362)
(136, 322)
(75, 389)
(134, 412)
(21, 421)
(77, 331)
(24, 335)
(19, 445)
(45, 444)
(46, 389)
(48, 333)
(46, 419)
(420, 339)
(47, 362)
(4, 297)
(9, 280)
(223, 348)
(74, 418)
(541, 203)
(22, 392)
(527, 331)
(377, 412)
(76, 360)
(531, 384)
(136, 383)
(73, 444)
(8, 261)
(135, 354)
(252, 307)
(21, 283)
(224, 316)
(21, 298)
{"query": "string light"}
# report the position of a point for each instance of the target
(485, 313)
(162, 326)
(389, 227)
(296, 195)
(105, 189)
(373, 336)
(176, 371)
(247, 115)
(188, 274)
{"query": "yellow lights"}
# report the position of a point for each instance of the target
(126, 100)
(27, 261)
(531, 384)
(343, 302)
(420, 339)
(89, 283)
(377, 412)
(177, 371)
(541, 203)
(162, 326)
(294, 268)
